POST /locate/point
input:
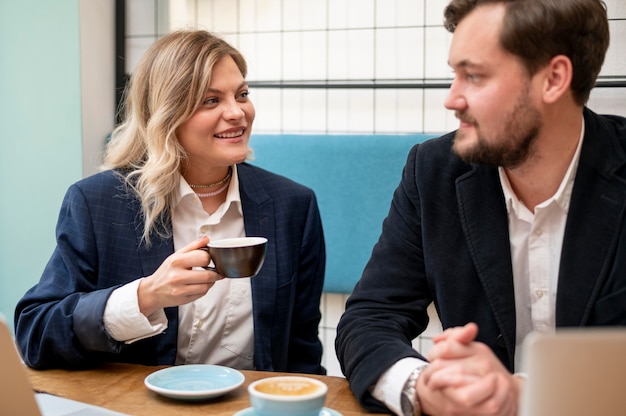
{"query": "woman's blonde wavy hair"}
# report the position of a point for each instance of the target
(167, 86)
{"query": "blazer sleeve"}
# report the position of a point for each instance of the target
(388, 306)
(58, 322)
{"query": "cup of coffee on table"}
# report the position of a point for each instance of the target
(237, 257)
(287, 396)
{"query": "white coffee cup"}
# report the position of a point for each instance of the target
(287, 396)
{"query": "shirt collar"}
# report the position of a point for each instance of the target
(232, 196)
(562, 195)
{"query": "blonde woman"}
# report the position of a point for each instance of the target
(125, 281)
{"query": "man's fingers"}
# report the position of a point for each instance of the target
(463, 334)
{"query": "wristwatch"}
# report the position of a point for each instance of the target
(408, 400)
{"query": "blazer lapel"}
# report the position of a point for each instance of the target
(485, 226)
(259, 220)
(596, 208)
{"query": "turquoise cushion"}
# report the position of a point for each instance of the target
(354, 177)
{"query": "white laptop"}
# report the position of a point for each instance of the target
(17, 398)
(575, 372)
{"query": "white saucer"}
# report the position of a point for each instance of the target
(324, 412)
(194, 381)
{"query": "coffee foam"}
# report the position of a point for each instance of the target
(238, 242)
(287, 387)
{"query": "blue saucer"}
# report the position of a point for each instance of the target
(194, 381)
(324, 412)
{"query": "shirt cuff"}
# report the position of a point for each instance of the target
(123, 320)
(388, 388)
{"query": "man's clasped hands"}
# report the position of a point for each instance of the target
(465, 377)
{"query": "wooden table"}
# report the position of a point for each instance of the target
(120, 387)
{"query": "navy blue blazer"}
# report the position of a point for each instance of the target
(58, 323)
(445, 240)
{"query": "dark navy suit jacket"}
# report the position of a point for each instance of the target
(446, 240)
(58, 322)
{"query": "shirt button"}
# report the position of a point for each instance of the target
(539, 293)
(538, 232)
(204, 229)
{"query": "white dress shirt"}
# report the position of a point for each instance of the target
(536, 240)
(217, 328)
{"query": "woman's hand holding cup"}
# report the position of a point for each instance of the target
(180, 279)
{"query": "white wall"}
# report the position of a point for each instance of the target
(97, 62)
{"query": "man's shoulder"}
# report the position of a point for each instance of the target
(438, 148)
(436, 156)
(606, 134)
(608, 122)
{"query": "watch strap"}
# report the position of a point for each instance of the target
(409, 401)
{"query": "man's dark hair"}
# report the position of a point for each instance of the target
(538, 30)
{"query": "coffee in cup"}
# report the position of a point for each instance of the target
(237, 257)
(287, 396)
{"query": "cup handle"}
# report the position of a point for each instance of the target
(211, 268)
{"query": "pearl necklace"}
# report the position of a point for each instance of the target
(213, 185)
(209, 194)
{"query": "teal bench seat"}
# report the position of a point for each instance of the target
(354, 177)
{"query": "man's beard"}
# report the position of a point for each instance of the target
(520, 129)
